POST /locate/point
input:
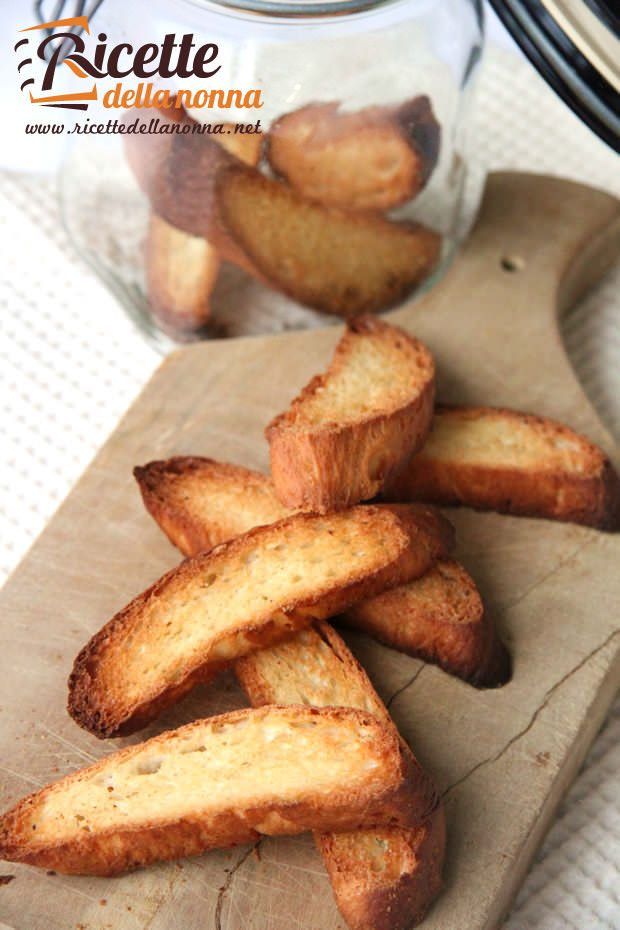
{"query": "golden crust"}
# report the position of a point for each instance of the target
(439, 618)
(102, 676)
(331, 464)
(383, 878)
(382, 796)
(371, 159)
(334, 260)
(539, 488)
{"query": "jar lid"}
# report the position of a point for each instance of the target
(575, 45)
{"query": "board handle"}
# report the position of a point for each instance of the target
(538, 244)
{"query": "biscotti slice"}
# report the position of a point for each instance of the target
(382, 878)
(216, 783)
(358, 423)
(244, 594)
(371, 159)
(497, 459)
(439, 618)
(181, 269)
(334, 260)
(200, 503)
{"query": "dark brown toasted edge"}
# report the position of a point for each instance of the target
(99, 714)
(365, 899)
(414, 120)
(332, 466)
(422, 129)
(467, 646)
(590, 500)
(114, 850)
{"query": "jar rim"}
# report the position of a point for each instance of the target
(295, 8)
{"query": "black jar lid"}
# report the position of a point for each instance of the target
(575, 45)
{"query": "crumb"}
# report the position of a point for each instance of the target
(103, 902)
(6, 879)
(542, 758)
(50, 872)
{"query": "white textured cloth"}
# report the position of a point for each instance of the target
(72, 362)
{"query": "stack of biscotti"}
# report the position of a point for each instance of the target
(258, 601)
(438, 617)
(340, 441)
(235, 778)
(269, 561)
(302, 209)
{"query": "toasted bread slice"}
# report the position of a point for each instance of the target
(440, 617)
(200, 503)
(389, 879)
(181, 269)
(354, 426)
(371, 159)
(334, 260)
(496, 459)
(242, 595)
(214, 783)
(383, 878)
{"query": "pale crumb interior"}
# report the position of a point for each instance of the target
(494, 439)
(230, 501)
(214, 767)
(284, 566)
(305, 670)
(332, 259)
(378, 375)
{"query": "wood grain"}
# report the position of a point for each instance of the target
(503, 758)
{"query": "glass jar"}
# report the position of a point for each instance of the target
(306, 161)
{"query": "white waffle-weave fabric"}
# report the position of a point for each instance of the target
(71, 362)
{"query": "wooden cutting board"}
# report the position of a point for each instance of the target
(503, 758)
